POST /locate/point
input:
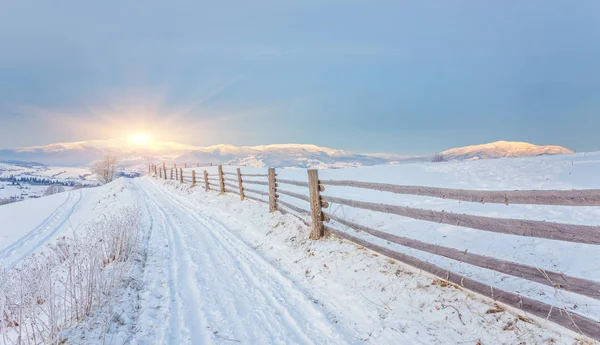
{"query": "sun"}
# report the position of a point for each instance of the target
(139, 138)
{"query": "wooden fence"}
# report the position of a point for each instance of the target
(241, 184)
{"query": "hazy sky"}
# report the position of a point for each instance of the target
(408, 77)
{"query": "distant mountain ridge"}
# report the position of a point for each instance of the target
(279, 155)
(500, 149)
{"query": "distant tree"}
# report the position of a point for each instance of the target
(105, 169)
(54, 189)
(438, 157)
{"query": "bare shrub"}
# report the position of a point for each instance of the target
(54, 189)
(438, 157)
(105, 169)
(54, 290)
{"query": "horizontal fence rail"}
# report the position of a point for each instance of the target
(587, 234)
(554, 279)
(256, 182)
(255, 191)
(294, 195)
(583, 197)
(529, 228)
(256, 175)
(292, 182)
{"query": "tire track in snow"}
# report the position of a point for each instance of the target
(41, 230)
(278, 311)
(186, 325)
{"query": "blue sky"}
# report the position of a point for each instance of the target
(407, 77)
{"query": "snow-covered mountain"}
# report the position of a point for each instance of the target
(85, 152)
(501, 149)
(285, 155)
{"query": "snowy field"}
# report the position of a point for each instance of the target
(214, 269)
(577, 171)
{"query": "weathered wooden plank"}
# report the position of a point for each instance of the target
(316, 212)
(230, 185)
(240, 183)
(272, 191)
(554, 279)
(256, 191)
(292, 182)
(221, 181)
(232, 191)
(294, 208)
(256, 182)
(206, 184)
(256, 175)
(529, 228)
(581, 197)
(292, 194)
(256, 199)
(570, 320)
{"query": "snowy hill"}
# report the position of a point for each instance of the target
(85, 152)
(286, 155)
(282, 155)
(501, 149)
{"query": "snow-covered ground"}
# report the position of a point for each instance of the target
(578, 171)
(220, 270)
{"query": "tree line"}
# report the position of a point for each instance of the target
(34, 180)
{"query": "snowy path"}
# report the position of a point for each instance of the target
(38, 236)
(204, 285)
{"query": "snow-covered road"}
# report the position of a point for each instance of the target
(202, 285)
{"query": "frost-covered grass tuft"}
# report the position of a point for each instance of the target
(57, 288)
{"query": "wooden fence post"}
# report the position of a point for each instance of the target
(221, 179)
(206, 185)
(239, 173)
(272, 191)
(193, 178)
(165, 173)
(171, 173)
(176, 174)
(316, 211)
(154, 170)
(181, 175)
(185, 165)
(160, 173)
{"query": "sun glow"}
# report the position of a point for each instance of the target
(139, 139)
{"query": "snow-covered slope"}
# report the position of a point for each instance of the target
(215, 269)
(285, 155)
(500, 149)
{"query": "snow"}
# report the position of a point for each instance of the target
(576, 171)
(373, 299)
(219, 270)
(29, 225)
